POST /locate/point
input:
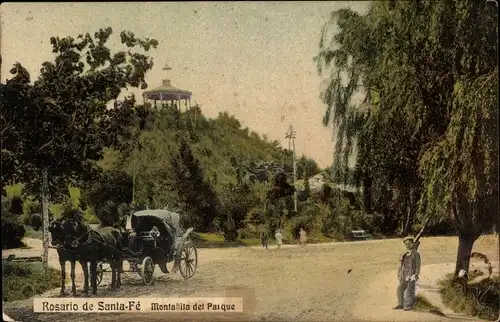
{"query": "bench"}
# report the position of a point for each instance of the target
(359, 234)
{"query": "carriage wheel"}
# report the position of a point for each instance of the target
(100, 273)
(189, 260)
(147, 270)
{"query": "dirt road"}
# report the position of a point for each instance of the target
(291, 284)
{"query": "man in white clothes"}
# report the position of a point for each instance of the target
(279, 238)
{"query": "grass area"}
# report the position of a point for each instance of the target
(422, 304)
(481, 299)
(24, 280)
(208, 240)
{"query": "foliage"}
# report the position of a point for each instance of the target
(425, 130)
(107, 196)
(481, 300)
(306, 167)
(236, 201)
(310, 217)
(12, 227)
(23, 280)
(231, 159)
(192, 189)
(461, 169)
(70, 123)
(35, 221)
(306, 193)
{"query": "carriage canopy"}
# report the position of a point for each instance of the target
(167, 222)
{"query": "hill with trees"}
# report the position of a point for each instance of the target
(109, 161)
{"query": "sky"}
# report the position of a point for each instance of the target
(251, 59)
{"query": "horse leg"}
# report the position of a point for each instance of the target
(118, 267)
(113, 274)
(62, 262)
(85, 268)
(93, 276)
(119, 273)
(73, 285)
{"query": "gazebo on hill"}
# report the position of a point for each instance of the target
(166, 94)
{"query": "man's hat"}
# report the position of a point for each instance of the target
(410, 238)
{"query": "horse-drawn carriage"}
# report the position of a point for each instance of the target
(156, 239)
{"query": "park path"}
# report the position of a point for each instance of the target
(324, 282)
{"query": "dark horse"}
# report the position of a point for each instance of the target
(93, 246)
(66, 250)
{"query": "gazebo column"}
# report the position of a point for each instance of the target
(167, 95)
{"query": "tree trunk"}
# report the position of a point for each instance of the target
(230, 233)
(367, 195)
(45, 213)
(409, 214)
(465, 244)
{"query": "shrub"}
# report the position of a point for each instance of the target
(36, 221)
(415, 229)
(12, 228)
(249, 231)
(31, 206)
(90, 216)
(23, 280)
(480, 299)
(255, 217)
(12, 231)
(339, 223)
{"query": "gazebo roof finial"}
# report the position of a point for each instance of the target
(166, 91)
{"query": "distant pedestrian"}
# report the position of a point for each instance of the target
(302, 237)
(409, 270)
(264, 239)
(279, 238)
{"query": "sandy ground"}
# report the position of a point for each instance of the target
(291, 284)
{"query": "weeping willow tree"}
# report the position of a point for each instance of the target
(412, 85)
(461, 169)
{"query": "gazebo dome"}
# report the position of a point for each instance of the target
(167, 93)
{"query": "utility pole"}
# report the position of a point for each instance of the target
(290, 135)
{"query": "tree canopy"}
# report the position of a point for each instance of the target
(69, 123)
(425, 128)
